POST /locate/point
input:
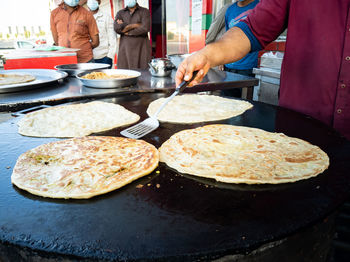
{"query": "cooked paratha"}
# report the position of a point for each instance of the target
(75, 120)
(194, 108)
(236, 154)
(83, 167)
(11, 79)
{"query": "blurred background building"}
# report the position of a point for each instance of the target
(178, 27)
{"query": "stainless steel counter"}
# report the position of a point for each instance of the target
(71, 89)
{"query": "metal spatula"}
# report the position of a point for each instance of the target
(148, 125)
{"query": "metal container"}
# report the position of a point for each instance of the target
(74, 69)
(161, 67)
(111, 83)
(176, 59)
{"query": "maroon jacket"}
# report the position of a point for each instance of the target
(315, 75)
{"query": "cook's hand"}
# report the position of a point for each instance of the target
(196, 62)
(119, 21)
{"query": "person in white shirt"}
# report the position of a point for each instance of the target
(105, 52)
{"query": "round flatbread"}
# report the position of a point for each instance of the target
(236, 154)
(75, 120)
(194, 108)
(11, 79)
(83, 167)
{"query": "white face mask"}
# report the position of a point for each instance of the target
(72, 3)
(92, 4)
(130, 3)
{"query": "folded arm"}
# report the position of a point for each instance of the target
(119, 24)
(144, 27)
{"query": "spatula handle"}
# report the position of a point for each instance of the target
(183, 84)
(178, 89)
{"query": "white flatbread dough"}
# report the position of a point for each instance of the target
(194, 108)
(75, 120)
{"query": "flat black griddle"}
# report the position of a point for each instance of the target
(174, 216)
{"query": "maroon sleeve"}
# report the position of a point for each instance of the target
(268, 20)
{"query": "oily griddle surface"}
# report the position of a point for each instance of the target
(172, 216)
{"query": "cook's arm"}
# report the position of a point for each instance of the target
(263, 25)
(233, 46)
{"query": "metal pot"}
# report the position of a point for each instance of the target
(161, 67)
(176, 59)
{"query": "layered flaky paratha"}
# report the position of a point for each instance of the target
(11, 79)
(75, 120)
(195, 108)
(236, 154)
(83, 167)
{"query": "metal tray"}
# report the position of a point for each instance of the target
(74, 69)
(42, 76)
(111, 83)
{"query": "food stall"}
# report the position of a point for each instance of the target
(168, 215)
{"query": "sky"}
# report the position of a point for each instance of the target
(24, 12)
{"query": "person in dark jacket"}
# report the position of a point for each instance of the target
(133, 24)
